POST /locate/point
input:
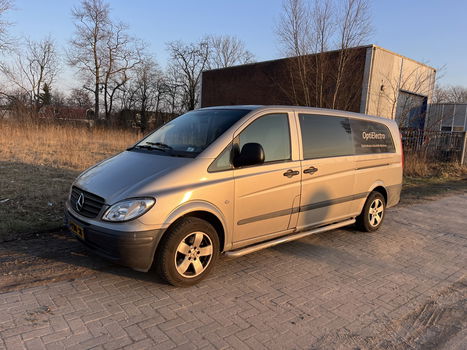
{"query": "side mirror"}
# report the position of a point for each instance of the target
(251, 154)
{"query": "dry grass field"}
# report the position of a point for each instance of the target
(38, 162)
(423, 179)
(61, 146)
(416, 166)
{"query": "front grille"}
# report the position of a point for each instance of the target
(92, 204)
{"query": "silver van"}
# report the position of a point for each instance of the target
(234, 180)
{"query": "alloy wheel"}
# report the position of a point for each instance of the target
(193, 254)
(376, 212)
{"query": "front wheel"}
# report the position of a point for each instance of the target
(188, 252)
(372, 214)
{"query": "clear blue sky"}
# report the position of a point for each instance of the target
(430, 31)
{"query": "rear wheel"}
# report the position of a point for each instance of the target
(188, 252)
(373, 212)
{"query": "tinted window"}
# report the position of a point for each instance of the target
(371, 137)
(325, 136)
(272, 132)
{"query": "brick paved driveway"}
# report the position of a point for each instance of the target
(402, 287)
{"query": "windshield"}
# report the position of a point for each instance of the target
(191, 133)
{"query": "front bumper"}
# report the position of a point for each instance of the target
(132, 249)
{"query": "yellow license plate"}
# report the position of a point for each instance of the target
(77, 230)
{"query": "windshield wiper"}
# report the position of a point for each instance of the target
(149, 147)
(159, 144)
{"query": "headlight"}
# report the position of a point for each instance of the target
(128, 209)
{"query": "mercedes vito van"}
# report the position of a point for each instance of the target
(233, 180)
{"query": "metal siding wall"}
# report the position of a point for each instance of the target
(392, 73)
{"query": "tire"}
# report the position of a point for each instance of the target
(188, 252)
(373, 213)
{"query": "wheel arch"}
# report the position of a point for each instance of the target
(378, 186)
(205, 211)
(381, 189)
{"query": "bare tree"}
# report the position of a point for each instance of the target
(413, 80)
(58, 98)
(406, 95)
(303, 29)
(36, 66)
(144, 92)
(79, 98)
(457, 94)
(227, 51)
(127, 96)
(294, 33)
(353, 28)
(87, 52)
(323, 26)
(5, 40)
(122, 54)
(450, 94)
(294, 28)
(103, 51)
(147, 90)
(189, 61)
(440, 94)
(173, 97)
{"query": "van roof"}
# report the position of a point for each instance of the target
(326, 111)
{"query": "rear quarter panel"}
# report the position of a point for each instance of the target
(379, 169)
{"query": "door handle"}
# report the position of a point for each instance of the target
(289, 173)
(311, 170)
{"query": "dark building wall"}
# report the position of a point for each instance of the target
(279, 83)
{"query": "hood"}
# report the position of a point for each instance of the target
(111, 178)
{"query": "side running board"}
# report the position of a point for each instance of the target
(254, 248)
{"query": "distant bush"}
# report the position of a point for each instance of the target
(418, 165)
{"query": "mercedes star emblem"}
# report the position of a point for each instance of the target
(80, 202)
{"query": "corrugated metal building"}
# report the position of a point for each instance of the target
(447, 117)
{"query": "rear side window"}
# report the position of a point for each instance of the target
(325, 136)
(272, 132)
(371, 137)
